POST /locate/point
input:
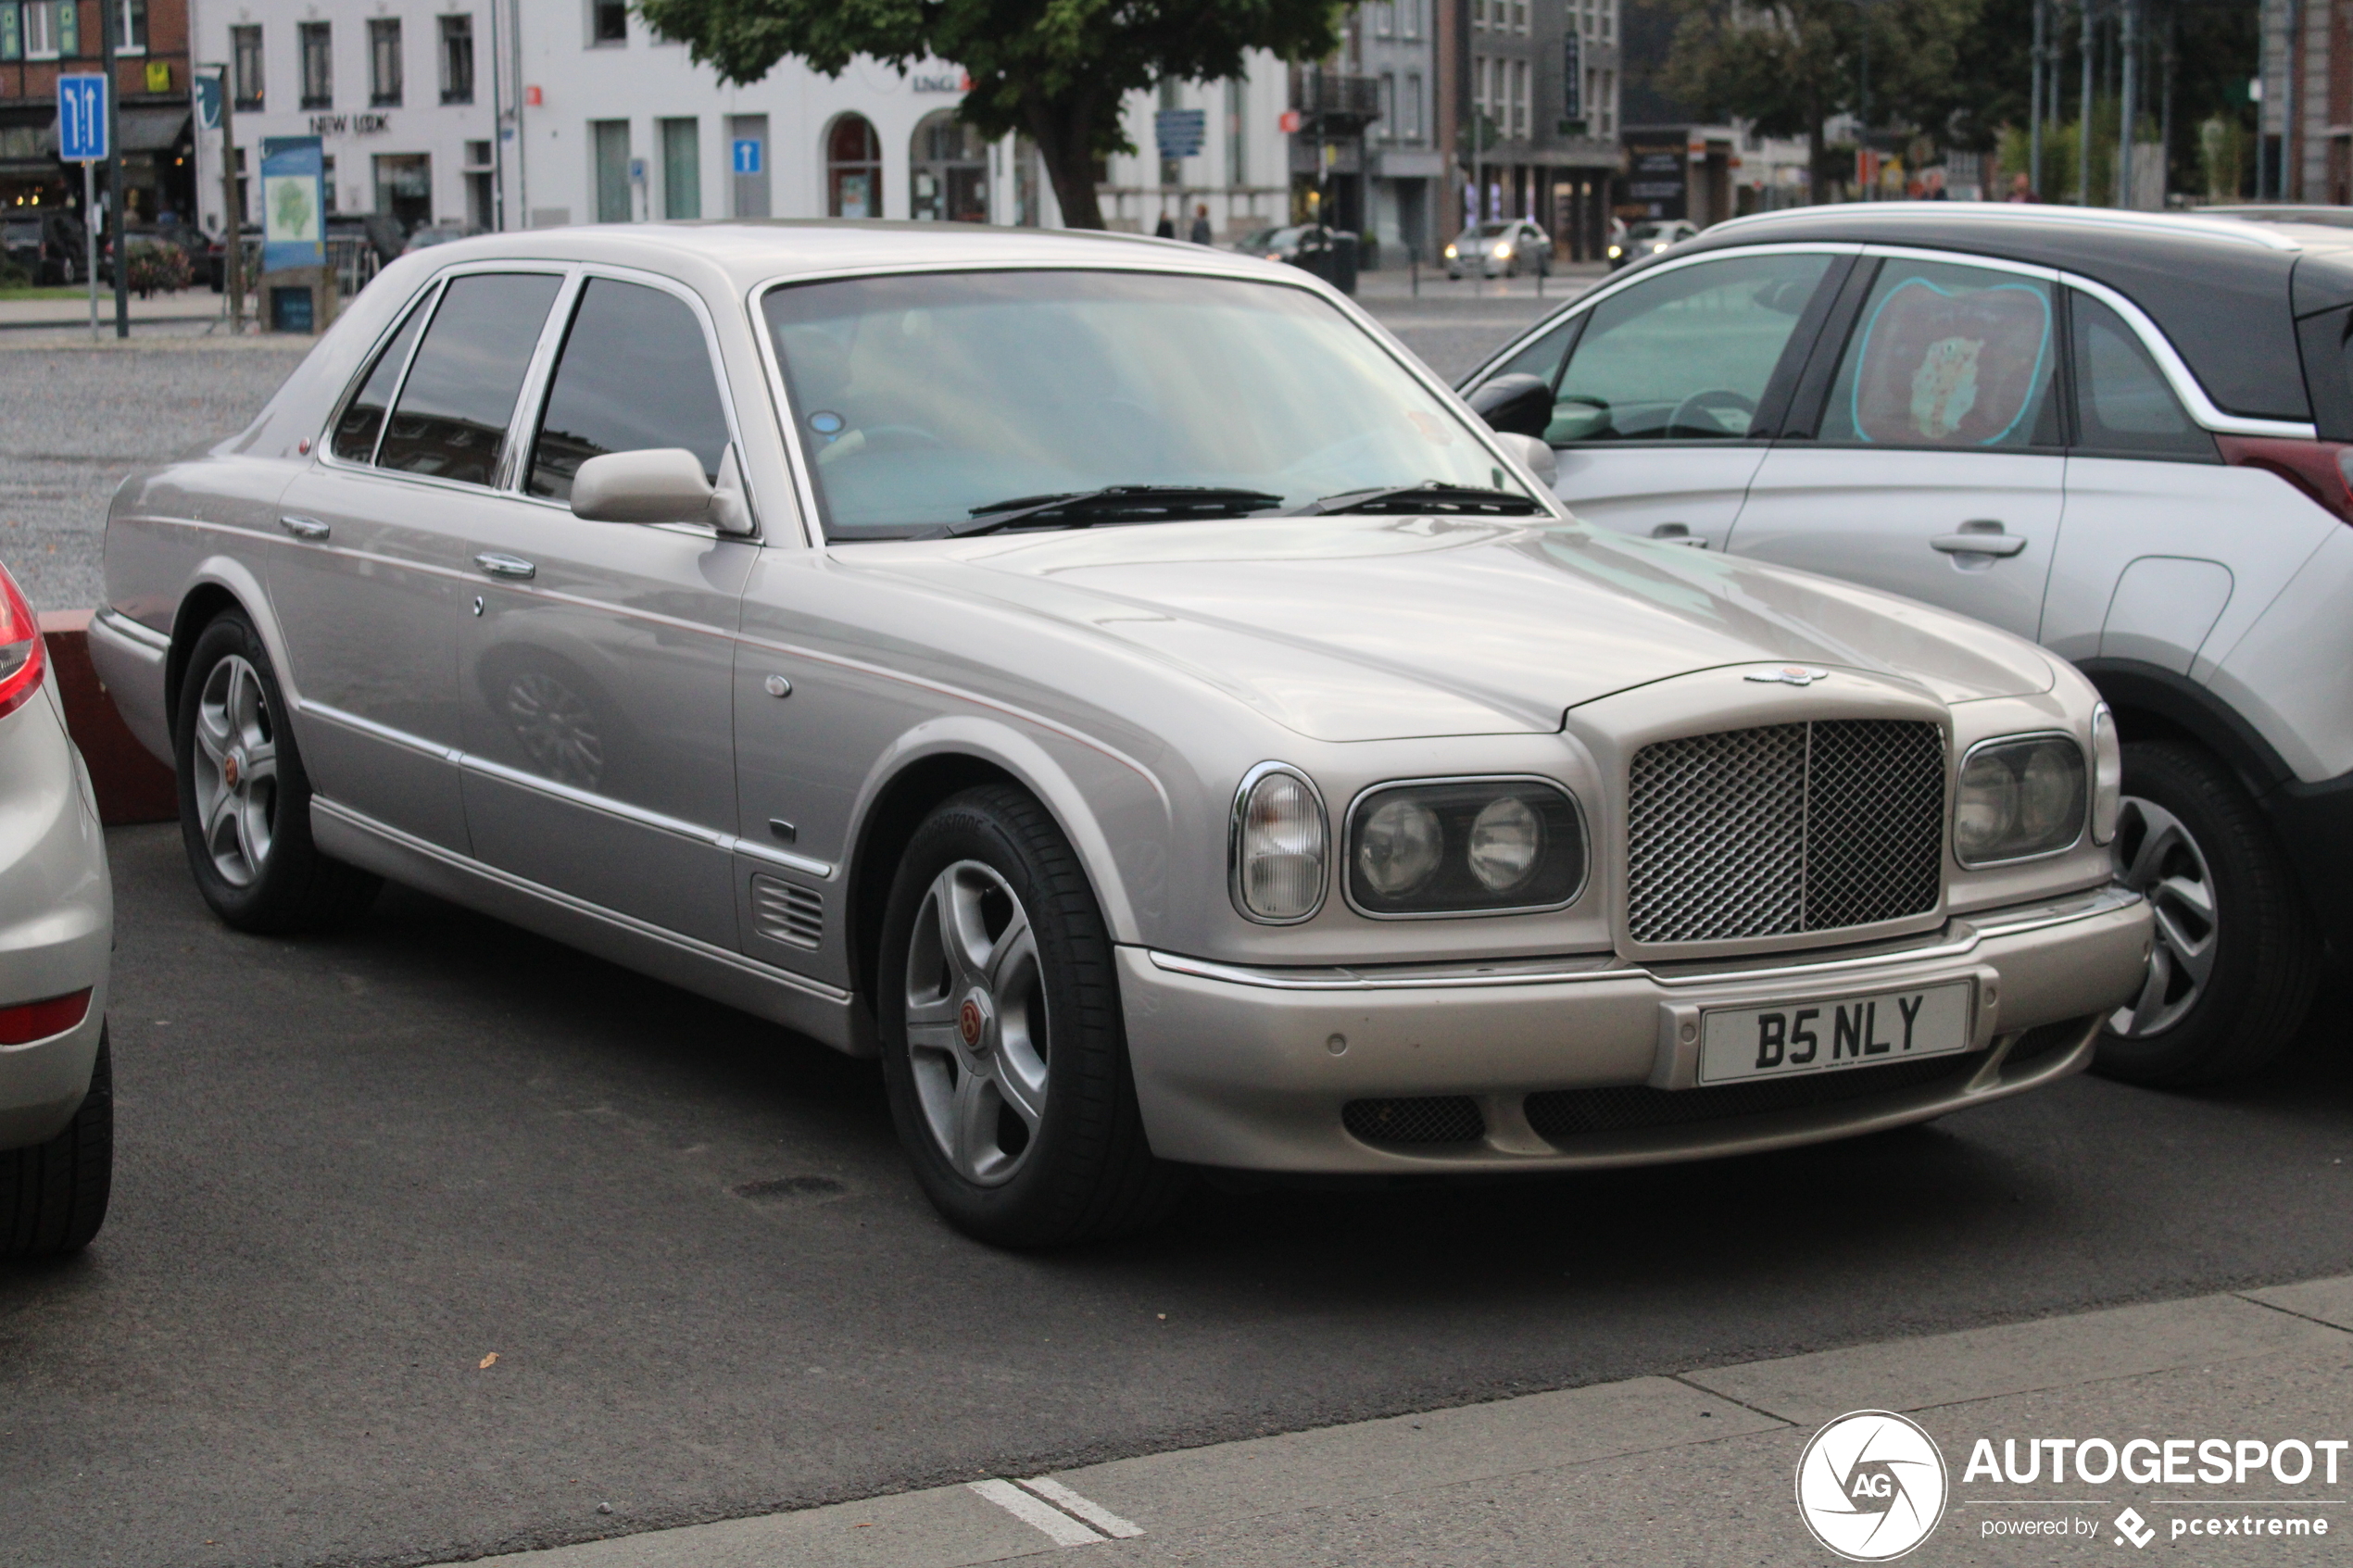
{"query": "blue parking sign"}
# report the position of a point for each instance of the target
(747, 154)
(81, 119)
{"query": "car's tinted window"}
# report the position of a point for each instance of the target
(1683, 355)
(1942, 356)
(1541, 359)
(2122, 401)
(363, 417)
(635, 373)
(452, 422)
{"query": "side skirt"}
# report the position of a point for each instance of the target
(826, 1014)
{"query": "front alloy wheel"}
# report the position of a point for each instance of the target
(236, 772)
(977, 1036)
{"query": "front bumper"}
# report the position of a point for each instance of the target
(1575, 1061)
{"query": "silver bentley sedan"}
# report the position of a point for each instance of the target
(1114, 683)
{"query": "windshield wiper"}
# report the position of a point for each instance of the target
(1115, 503)
(1430, 496)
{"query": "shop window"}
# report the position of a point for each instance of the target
(853, 169)
(681, 169)
(948, 170)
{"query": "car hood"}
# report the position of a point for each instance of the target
(1380, 628)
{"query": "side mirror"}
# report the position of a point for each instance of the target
(658, 484)
(1517, 405)
(1533, 455)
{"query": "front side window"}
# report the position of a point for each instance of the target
(926, 401)
(452, 422)
(244, 52)
(636, 373)
(458, 59)
(318, 66)
(2123, 404)
(383, 62)
(1685, 355)
(1946, 357)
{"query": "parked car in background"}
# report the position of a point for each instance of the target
(430, 234)
(1646, 240)
(1913, 397)
(56, 939)
(1115, 683)
(1502, 249)
(47, 243)
(380, 230)
(215, 259)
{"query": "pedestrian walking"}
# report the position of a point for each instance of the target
(1165, 229)
(1200, 235)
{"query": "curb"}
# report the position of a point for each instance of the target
(131, 784)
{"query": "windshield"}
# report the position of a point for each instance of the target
(929, 399)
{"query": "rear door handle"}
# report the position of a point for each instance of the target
(308, 528)
(1980, 536)
(513, 568)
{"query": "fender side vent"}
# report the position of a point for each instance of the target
(784, 912)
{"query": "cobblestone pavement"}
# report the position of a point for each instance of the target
(76, 418)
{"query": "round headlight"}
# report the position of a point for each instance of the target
(1280, 846)
(1505, 841)
(1399, 846)
(2049, 795)
(1988, 809)
(2018, 798)
(1502, 253)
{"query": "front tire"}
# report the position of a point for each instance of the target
(2236, 960)
(1003, 1054)
(53, 1196)
(244, 799)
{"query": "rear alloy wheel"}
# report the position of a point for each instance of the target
(53, 1196)
(245, 800)
(1003, 1053)
(2233, 962)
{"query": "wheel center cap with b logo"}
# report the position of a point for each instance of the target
(232, 767)
(971, 1021)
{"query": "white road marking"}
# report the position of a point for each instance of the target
(1095, 1513)
(1057, 1526)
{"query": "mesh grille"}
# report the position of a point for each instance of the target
(1439, 1119)
(1557, 1114)
(783, 913)
(1784, 829)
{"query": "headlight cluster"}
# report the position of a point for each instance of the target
(1450, 253)
(2108, 775)
(1502, 253)
(1281, 850)
(1463, 846)
(2020, 797)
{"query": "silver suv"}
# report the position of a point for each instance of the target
(2129, 436)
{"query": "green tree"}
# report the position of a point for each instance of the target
(1788, 66)
(1052, 69)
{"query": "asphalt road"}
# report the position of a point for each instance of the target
(352, 1170)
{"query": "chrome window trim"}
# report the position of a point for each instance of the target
(426, 300)
(1234, 844)
(1954, 835)
(1348, 847)
(2177, 370)
(1967, 934)
(800, 459)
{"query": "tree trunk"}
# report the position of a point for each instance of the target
(1816, 155)
(1065, 133)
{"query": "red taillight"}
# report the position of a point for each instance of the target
(23, 658)
(2322, 469)
(38, 1021)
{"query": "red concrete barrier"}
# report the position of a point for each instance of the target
(131, 784)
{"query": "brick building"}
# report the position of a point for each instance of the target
(41, 40)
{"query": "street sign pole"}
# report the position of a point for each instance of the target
(110, 20)
(83, 137)
(232, 212)
(90, 239)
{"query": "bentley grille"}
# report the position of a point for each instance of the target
(1786, 829)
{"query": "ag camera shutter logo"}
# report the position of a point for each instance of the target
(1871, 1486)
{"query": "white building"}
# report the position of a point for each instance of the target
(533, 113)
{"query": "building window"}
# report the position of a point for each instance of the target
(404, 189)
(1410, 23)
(1388, 106)
(1519, 98)
(1237, 145)
(1412, 108)
(948, 171)
(245, 55)
(682, 168)
(482, 205)
(608, 143)
(853, 169)
(1519, 16)
(458, 59)
(1385, 19)
(1478, 15)
(11, 31)
(39, 30)
(318, 65)
(130, 27)
(1478, 89)
(609, 21)
(383, 62)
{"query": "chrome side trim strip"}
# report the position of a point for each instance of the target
(689, 945)
(1966, 935)
(384, 732)
(785, 857)
(131, 631)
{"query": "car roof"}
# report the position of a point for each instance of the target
(2219, 287)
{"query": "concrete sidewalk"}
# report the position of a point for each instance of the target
(1693, 1468)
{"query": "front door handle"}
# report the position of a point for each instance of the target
(513, 568)
(308, 528)
(1979, 537)
(1678, 533)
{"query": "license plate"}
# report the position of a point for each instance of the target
(1788, 1039)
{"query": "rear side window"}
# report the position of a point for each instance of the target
(451, 422)
(2123, 403)
(1947, 357)
(635, 373)
(363, 417)
(1685, 355)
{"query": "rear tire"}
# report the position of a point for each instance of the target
(1003, 1054)
(2236, 958)
(53, 1196)
(244, 799)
